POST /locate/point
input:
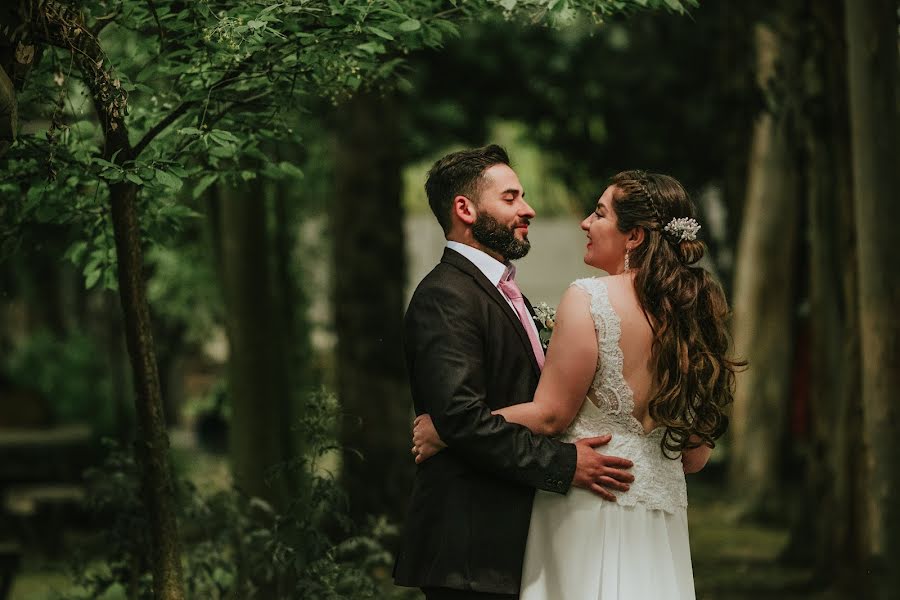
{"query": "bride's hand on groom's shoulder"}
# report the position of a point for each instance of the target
(426, 441)
(600, 473)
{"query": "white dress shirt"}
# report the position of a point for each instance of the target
(492, 268)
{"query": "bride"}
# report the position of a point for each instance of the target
(641, 355)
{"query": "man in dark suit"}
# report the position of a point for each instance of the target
(471, 348)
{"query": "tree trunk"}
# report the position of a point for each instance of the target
(152, 445)
(292, 305)
(875, 127)
(764, 298)
(50, 25)
(255, 363)
(834, 432)
(369, 278)
(734, 70)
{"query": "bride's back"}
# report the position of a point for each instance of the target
(636, 343)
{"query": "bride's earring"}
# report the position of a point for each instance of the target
(627, 267)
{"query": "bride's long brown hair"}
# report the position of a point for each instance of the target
(686, 309)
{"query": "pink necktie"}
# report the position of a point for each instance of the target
(508, 286)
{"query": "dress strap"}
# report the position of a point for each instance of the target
(609, 390)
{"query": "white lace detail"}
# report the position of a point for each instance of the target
(658, 480)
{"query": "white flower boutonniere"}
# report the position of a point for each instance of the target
(545, 315)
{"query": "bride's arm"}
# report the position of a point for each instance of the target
(567, 375)
(694, 459)
(568, 370)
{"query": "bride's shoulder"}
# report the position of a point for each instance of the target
(618, 281)
(587, 284)
(621, 285)
(575, 304)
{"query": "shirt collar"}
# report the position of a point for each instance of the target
(492, 268)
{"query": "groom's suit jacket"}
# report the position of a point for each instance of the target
(468, 354)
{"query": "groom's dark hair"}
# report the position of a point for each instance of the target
(459, 174)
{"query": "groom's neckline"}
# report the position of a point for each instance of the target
(492, 268)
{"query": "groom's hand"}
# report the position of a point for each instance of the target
(426, 441)
(597, 472)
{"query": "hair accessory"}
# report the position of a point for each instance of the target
(683, 228)
(641, 180)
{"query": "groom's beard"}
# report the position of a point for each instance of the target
(502, 240)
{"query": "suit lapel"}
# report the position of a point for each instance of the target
(462, 263)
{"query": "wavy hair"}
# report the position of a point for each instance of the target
(686, 309)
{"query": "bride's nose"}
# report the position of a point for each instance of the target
(585, 225)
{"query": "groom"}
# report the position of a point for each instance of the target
(472, 347)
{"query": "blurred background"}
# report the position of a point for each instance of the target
(213, 216)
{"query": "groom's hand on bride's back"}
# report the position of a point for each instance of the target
(600, 473)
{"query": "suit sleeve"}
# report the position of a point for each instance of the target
(445, 347)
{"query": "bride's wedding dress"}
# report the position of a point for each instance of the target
(581, 547)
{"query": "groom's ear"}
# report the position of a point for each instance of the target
(464, 209)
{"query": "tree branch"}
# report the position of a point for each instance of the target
(159, 127)
(102, 22)
(231, 76)
(222, 113)
(162, 35)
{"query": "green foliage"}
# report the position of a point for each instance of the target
(235, 546)
(184, 290)
(201, 86)
(600, 100)
(70, 373)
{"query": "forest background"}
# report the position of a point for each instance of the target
(211, 217)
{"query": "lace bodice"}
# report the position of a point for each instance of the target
(609, 407)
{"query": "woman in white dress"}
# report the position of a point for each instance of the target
(640, 355)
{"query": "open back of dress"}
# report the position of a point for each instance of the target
(581, 547)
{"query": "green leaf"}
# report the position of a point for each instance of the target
(76, 252)
(381, 33)
(222, 152)
(110, 282)
(112, 175)
(92, 277)
(133, 178)
(222, 137)
(508, 4)
(189, 131)
(104, 163)
(674, 5)
(178, 171)
(203, 184)
(168, 180)
(256, 24)
(410, 25)
(290, 169)
(387, 67)
(394, 13)
(371, 47)
(176, 212)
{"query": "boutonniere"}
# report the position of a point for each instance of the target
(545, 315)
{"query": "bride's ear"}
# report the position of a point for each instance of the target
(635, 238)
